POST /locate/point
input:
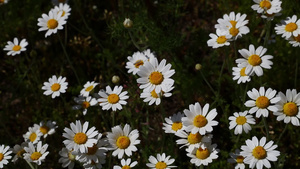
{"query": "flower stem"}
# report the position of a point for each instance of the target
(201, 167)
(266, 126)
(133, 41)
(281, 134)
(31, 166)
(268, 24)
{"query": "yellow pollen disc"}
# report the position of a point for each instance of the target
(1, 156)
(291, 27)
(44, 129)
(1, 1)
(176, 126)
(16, 48)
(242, 72)
(234, 31)
(265, 4)
(233, 23)
(123, 142)
(92, 150)
(32, 137)
(80, 138)
(202, 153)
(154, 94)
(297, 38)
(71, 156)
(290, 109)
(35, 156)
(138, 63)
(156, 78)
(241, 120)
(88, 89)
(259, 152)
(85, 104)
(55, 87)
(160, 165)
(126, 167)
(52, 23)
(239, 159)
(194, 138)
(20, 153)
(113, 98)
(254, 60)
(200, 121)
(221, 39)
(63, 13)
(262, 102)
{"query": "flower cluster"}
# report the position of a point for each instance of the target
(267, 8)
(289, 29)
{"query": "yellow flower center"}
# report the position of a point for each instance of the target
(55, 87)
(297, 38)
(35, 156)
(290, 27)
(242, 72)
(123, 142)
(32, 137)
(290, 109)
(44, 129)
(202, 153)
(160, 165)
(156, 78)
(221, 39)
(80, 138)
(176, 126)
(52, 23)
(63, 13)
(259, 152)
(254, 60)
(88, 89)
(1, 156)
(1, 1)
(113, 98)
(239, 159)
(92, 150)
(233, 31)
(200, 121)
(20, 153)
(71, 156)
(16, 48)
(262, 102)
(126, 167)
(265, 4)
(194, 138)
(154, 94)
(85, 104)
(241, 120)
(233, 23)
(138, 63)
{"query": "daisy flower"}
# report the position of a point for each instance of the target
(18, 150)
(47, 128)
(79, 138)
(36, 154)
(4, 155)
(289, 27)
(126, 164)
(123, 140)
(240, 121)
(204, 154)
(267, 7)
(238, 159)
(173, 123)
(87, 88)
(295, 41)
(64, 8)
(150, 55)
(55, 86)
(258, 153)
(135, 61)
(161, 161)
(198, 119)
(254, 60)
(84, 103)
(220, 39)
(262, 101)
(3, 2)
(153, 97)
(240, 75)
(154, 76)
(51, 22)
(113, 99)
(288, 107)
(67, 158)
(15, 48)
(33, 134)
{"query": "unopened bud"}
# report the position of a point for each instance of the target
(115, 79)
(127, 23)
(198, 66)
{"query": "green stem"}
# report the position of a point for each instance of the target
(281, 134)
(266, 126)
(133, 41)
(208, 84)
(268, 24)
(31, 166)
(201, 167)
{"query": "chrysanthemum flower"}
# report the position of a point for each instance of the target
(154, 76)
(51, 22)
(240, 75)
(36, 154)
(15, 47)
(67, 158)
(258, 153)
(18, 150)
(123, 140)
(288, 107)
(47, 128)
(126, 164)
(220, 39)
(55, 86)
(204, 154)
(87, 88)
(150, 55)
(161, 161)
(79, 138)
(33, 134)
(198, 119)
(267, 6)
(113, 99)
(262, 101)
(153, 97)
(238, 159)
(240, 121)
(4, 155)
(84, 103)
(294, 41)
(64, 8)
(135, 61)
(173, 123)
(254, 60)
(289, 27)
